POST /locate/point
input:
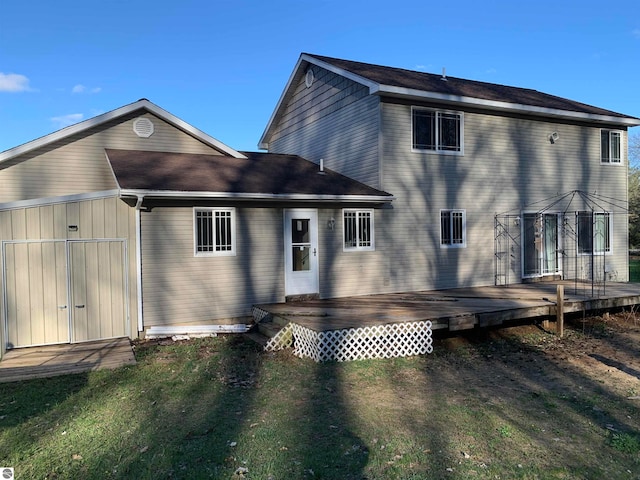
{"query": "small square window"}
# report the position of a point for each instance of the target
(358, 230)
(214, 231)
(453, 227)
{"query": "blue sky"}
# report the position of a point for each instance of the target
(221, 65)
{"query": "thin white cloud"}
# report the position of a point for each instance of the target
(66, 120)
(82, 89)
(14, 82)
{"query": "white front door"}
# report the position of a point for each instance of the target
(301, 251)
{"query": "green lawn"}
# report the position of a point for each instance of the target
(210, 408)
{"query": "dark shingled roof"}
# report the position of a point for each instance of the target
(259, 173)
(428, 82)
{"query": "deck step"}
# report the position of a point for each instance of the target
(269, 329)
(258, 337)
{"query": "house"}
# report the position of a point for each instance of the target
(492, 184)
(376, 180)
(135, 220)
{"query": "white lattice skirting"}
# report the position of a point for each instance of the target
(380, 341)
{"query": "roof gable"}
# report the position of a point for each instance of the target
(142, 105)
(398, 82)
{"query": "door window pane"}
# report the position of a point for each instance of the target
(300, 256)
(300, 230)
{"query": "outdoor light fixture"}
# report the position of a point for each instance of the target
(553, 138)
(331, 224)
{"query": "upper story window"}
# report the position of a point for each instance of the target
(358, 229)
(453, 226)
(610, 146)
(214, 231)
(437, 130)
(594, 233)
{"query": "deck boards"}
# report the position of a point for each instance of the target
(454, 309)
(52, 360)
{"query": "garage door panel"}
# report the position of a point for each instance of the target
(97, 283)
(50, 301)
(35, 289)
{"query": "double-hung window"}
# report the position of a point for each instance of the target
(358, 229)
(594, 233)
(610, 146)
(437, 131)
(453, 228)
(214, 231)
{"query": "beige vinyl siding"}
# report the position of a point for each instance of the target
(335, 120)
(507, 163)
(350, 273)
(180, 288)
(78, 164)
(103, 218)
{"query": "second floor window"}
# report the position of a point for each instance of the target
(610, 146)
(437, 131)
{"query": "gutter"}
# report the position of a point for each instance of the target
(276, 197)
(393, 91)
(139, 261)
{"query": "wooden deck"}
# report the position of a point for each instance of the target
(454, 309)
(51, 360)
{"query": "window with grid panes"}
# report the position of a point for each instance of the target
(358, 229)
(214, 231)
(610, 146)
(453, 228)
(437, 131)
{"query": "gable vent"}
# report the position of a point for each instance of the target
(143, 127)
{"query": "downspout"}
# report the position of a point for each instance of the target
(139, 261)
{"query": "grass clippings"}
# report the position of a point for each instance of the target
(494, 404)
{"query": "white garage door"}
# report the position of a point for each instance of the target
(64, 291)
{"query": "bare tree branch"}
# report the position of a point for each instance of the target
(634, 148)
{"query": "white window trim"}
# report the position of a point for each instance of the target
(438, 151)
(596, 254)
(226, 253)
(619, 162)
(464, 228)
(358, 248)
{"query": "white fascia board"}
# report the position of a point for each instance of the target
(106, 117)
(38, 202)
(262, 143)
(298, 197)
(505, 106)
(373, 86)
